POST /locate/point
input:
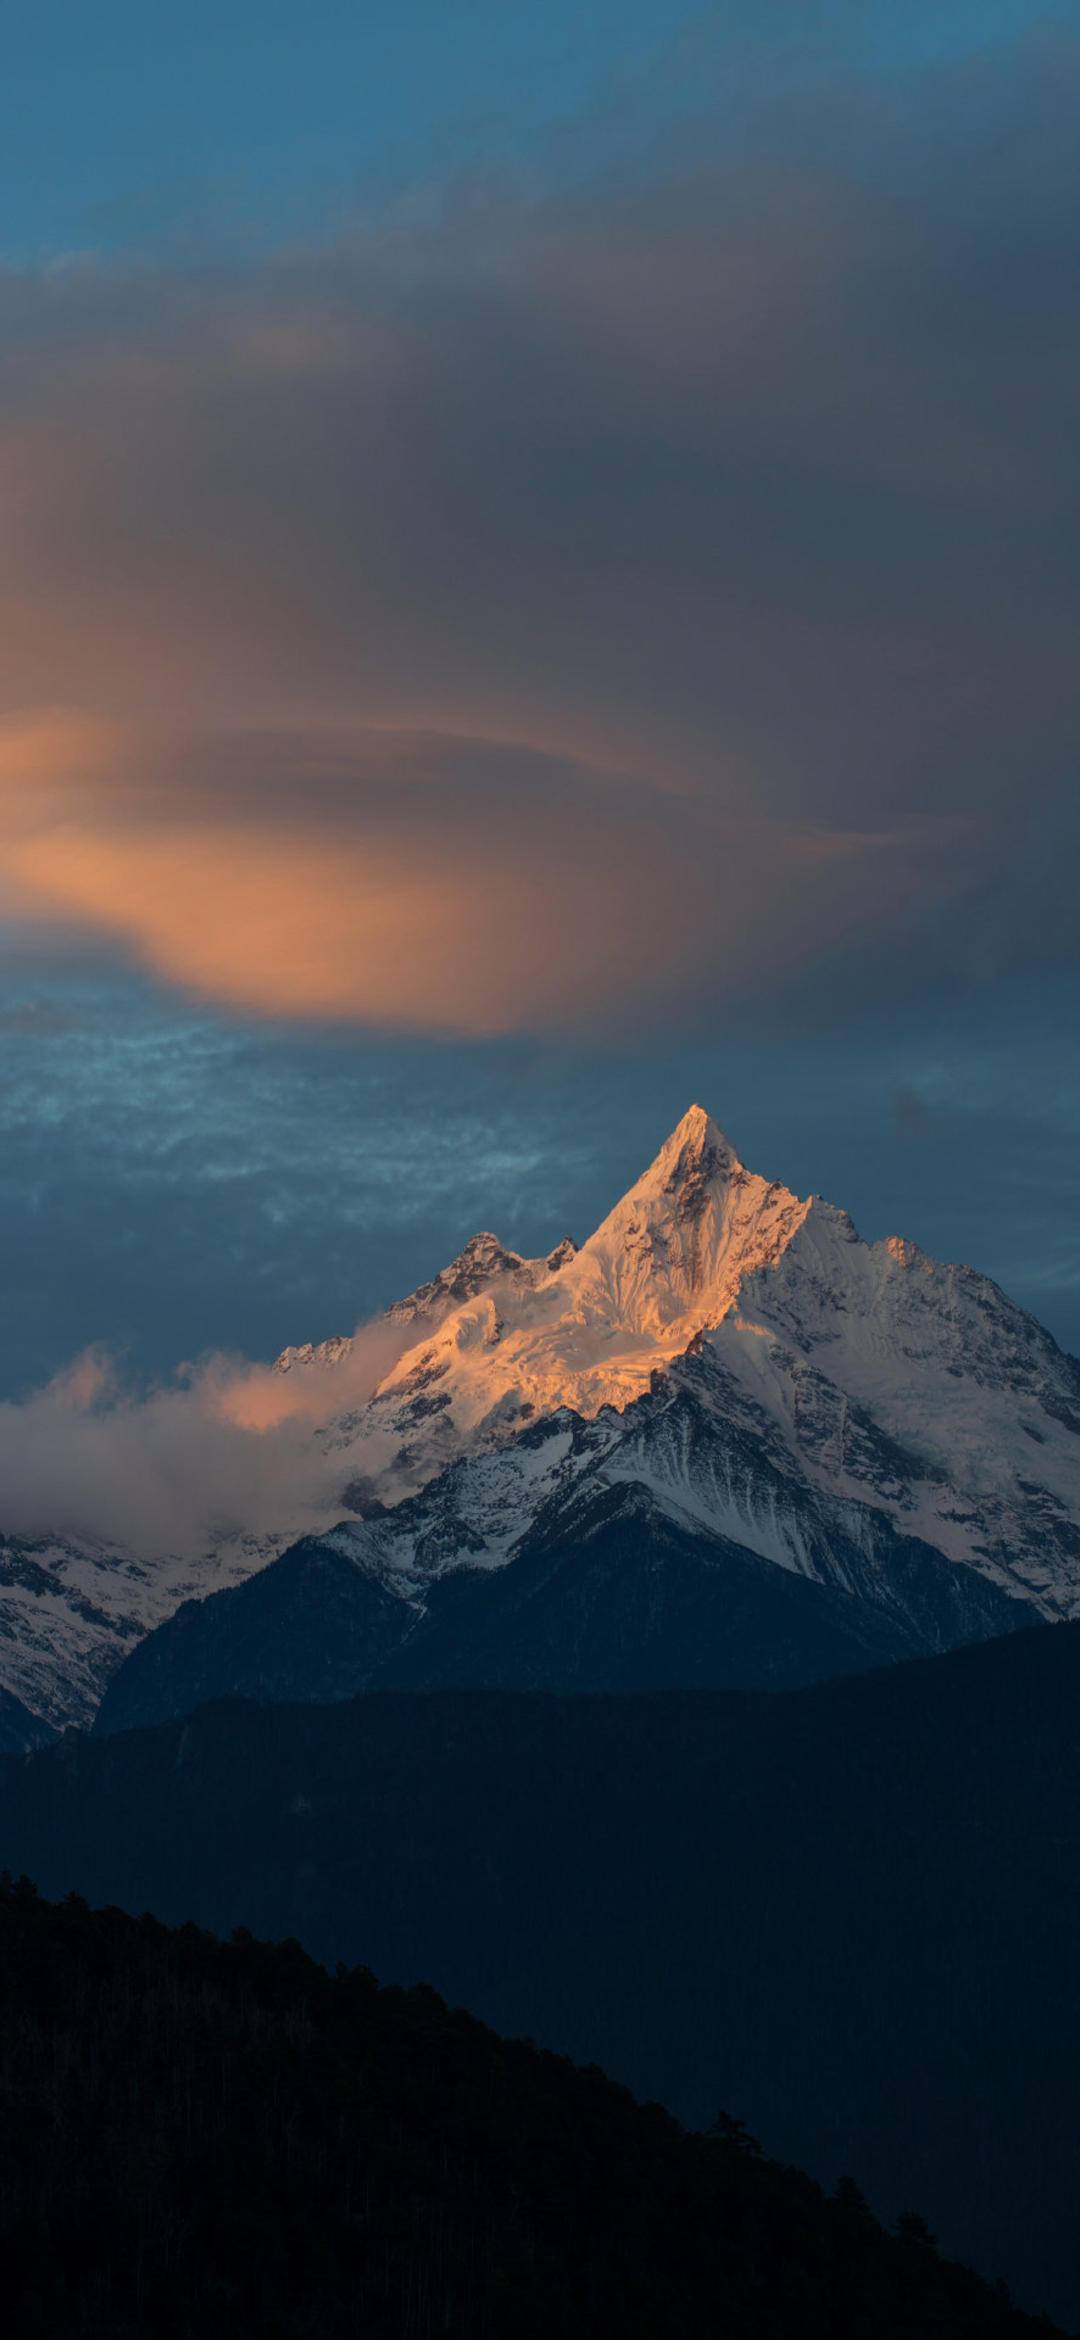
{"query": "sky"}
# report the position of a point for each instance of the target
(538, 584)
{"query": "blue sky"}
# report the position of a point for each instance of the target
(539, 584)
(124, 127)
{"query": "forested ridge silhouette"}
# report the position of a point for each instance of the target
(208, 2138)
(851, 1914)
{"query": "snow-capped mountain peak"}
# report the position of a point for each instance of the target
(666, 1260)
(696, 1152)
(825, 1404)
(889, 1379)
(671, 1255)
(582, 1329)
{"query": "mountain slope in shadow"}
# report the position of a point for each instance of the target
(609, 1592)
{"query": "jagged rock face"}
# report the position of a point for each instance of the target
(819, 1403)
(483, 1262)
(71, 1609)
(70, 1612)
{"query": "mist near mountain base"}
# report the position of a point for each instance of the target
(190, 1460)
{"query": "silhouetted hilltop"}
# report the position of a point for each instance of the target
(852, 1912)
(212, 2141)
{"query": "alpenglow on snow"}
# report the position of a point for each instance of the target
(735, 1354)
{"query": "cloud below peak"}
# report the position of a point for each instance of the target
(227, 1448)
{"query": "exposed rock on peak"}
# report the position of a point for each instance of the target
(482, 1259)
(697, 1144)
(330, 1352)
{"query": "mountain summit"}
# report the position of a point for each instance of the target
(697, 1147)
(671, 1255)
(502, 1339)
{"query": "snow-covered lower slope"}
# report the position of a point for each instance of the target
(698, 1452)
(590, 1556)
(71, 1609)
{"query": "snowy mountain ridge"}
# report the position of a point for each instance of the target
(722, 1354)
(882, 1377)
(584, 1328)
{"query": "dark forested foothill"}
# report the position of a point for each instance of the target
(851, 1913)
(214, 2139)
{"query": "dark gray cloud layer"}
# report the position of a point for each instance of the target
(565, 613)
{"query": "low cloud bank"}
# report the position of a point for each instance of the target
(227, 1448)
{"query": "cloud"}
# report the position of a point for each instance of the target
(452, 884)
(226, 1448)
(571, 613)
